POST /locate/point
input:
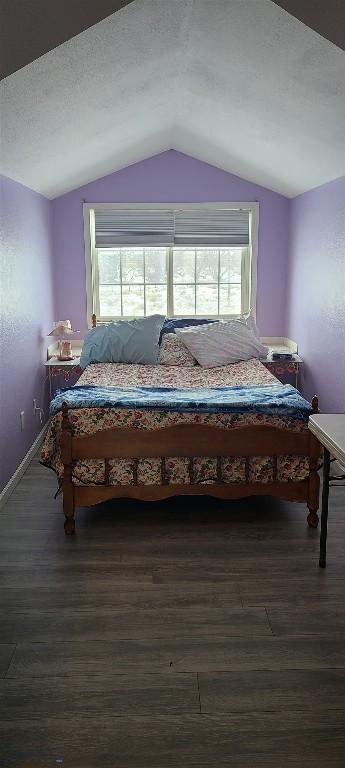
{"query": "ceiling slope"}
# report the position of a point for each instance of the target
(243, 86)
(45, 24)
(327, 17)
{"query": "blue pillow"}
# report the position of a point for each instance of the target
(170, 323)
(124, 341)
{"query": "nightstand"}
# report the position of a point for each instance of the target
(285, 370)
(63, 371)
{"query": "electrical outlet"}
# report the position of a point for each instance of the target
(37, 410)
(21, 416)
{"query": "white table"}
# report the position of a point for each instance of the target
(329, 428)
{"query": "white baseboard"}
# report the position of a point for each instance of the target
(14, 480)
(338, 468)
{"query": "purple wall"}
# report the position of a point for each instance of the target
(26, 311)
(172, 177)
(301, 245)
(316, 293)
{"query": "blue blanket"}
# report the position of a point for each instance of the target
(272, 400)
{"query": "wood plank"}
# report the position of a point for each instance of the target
(162, 623)
(29, 523)
(88, 495)
(206, 510)
(191, 440)
(164, 551)
(175, 740)
(24, 540)
(58, 552)
(6, 654)
(313, 591)
(128, 597)
(189, 551)
(67, 574)
(92, 694)
(179, 654)
(294, 690)
(239, 567)
(328, 620)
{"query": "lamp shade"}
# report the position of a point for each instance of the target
(62, 328)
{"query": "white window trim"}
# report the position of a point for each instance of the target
(89, 239)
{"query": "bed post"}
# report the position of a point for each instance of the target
(94, 321)
(314, 480)
(67, 485)
(315, 404)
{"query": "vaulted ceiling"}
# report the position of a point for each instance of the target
(242, 85)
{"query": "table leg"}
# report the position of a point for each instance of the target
(324, 512)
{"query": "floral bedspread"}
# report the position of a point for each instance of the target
(122, 375)
(173, 470)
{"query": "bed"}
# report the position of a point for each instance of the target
(150, 432)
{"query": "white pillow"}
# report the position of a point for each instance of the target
(222, 343)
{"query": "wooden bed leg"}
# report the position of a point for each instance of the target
(68, 508)
(312, 518)
(67, 484)
(314, 480)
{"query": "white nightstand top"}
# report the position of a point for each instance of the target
(54, 362)
(294, 359)
(329, 428)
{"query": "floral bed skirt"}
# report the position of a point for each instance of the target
(172, 470)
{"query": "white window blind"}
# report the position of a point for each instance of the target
(211, 227)
(204, 227)
(133, 227)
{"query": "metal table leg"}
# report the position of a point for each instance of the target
(324, 512)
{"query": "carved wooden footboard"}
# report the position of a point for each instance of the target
(187, 440)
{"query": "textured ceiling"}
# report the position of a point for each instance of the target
(242, 85)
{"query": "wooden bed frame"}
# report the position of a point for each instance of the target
(187, 440)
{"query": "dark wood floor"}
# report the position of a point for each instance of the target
(183, 633)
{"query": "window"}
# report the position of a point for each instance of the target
(178, 262)
(131, 282)
(207, 281)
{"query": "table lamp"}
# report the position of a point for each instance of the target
(61, 329)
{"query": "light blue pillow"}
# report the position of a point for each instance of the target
(124, 341)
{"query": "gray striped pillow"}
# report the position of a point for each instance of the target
(222, 343)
